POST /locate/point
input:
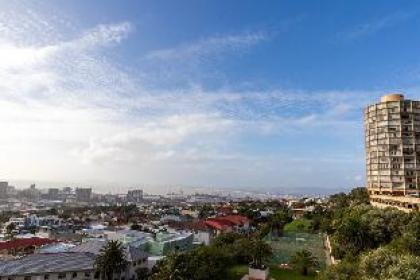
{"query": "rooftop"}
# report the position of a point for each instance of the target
(392, 97)
(24, 242)
(48, 263)
(95, 246)
(222, 222)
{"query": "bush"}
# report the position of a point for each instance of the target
(345, 270)
(385, 263)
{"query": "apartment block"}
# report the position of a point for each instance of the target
(3, 189)
(83, 194)
(392, 140)
(135, 195)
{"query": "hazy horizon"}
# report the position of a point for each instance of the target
(121, 188)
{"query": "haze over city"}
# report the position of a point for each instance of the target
(222, 94)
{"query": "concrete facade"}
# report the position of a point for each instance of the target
(135, 195)
(3, 189)
(83, 194)
(72, 275)
(392, 141)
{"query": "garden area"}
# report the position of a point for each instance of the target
(284, 247)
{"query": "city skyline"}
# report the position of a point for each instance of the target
(197, 94)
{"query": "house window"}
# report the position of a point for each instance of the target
(46, 276)
(61, 276)
(74, 275)
(27, 278)
(87, 274)
(96, 276)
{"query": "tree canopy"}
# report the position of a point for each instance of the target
(303, 261)
(111, 260)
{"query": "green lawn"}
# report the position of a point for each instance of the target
(298, 225)
(283, 274)
(238, 271)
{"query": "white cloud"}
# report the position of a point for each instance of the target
(209, 46)
(68, 111)
(377, 25)
(104, 33)
(157, 139)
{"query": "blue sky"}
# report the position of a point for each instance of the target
(240, 94)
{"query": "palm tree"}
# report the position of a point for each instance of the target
(303, 261)
(260, 252)
(278, 221)
(111, 260)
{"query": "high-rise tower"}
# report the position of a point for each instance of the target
(392, 139)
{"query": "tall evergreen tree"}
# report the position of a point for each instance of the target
(111, 260)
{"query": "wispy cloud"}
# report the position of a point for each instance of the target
(155, 139)
(70, 111)
(376, 25)
(209, 46)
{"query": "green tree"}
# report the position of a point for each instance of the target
(345, 270)
(263, 230)
(203, 263)
(303, 261)
(260, 252)
(408, 268)
(10, 228)
(143, 273)
(135, 226)
(409, 241)
(339, 201)
(351, 237)
(411, 236)
(226, 239)
(205, 211)
(385, 263)
(278, 220)
(359, 196)
(242, 249)
(385, 224)
(111, 260)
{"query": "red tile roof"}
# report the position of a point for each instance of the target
(236, 219)
(24, 243)
(218, 224)
(224, 222)
(199, 225)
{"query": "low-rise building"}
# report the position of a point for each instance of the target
(158, 244)
(20, 246)
(230, 223)
(59, 266)
(136, 257)
(65, 262)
